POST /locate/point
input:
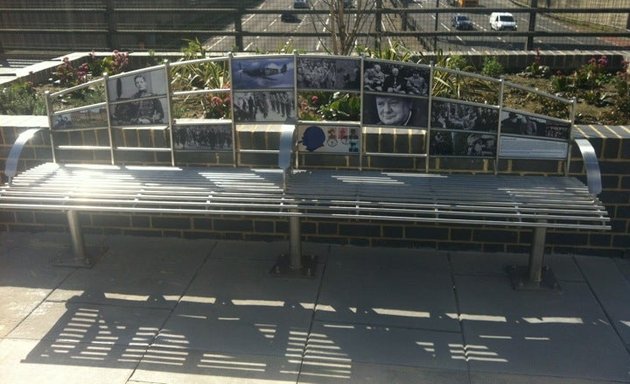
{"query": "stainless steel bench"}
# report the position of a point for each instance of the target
(536, 202)
(294, 191)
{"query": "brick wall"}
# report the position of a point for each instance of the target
(612, 145)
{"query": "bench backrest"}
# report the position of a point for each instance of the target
(378, 114)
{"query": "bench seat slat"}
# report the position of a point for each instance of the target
(517, 201)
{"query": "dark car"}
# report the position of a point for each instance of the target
(289, 18)
(462, 22)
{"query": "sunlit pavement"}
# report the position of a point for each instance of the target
(155, 310)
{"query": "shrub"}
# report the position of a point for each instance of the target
(492, 67)
(20, 98)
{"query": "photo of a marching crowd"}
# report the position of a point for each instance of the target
(203, 137)
(264, 106)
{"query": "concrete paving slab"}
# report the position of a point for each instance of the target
(26, 278)
(493, 264)
(137, 272)
(240, 273)
(624, 267)
(360, 373)
(202, 367)
(235, 305)
(261, 331)
(398, 290)
(21, 361)
(611, 289)
(495, 378)
(538, 333)
(341, 345)
(252, 250)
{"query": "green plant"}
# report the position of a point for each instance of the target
(65, 73)
(537, 69)
(342, 106)
(114, 64)
(492, 67)
(193, 49)
(621, 100)
(560, 83)
(397, 51)
(593, 74)
(20, 98)
(217, 106)
(595, 97)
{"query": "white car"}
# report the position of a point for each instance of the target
(502, 21)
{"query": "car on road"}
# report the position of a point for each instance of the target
(502, 21)
(298, 4)
(462, 22)
(289, 18)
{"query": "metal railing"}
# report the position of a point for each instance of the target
(235, 25)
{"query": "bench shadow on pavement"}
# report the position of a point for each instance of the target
(214, 309)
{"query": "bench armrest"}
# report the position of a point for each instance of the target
(10, 169)
(287, 146)
(591, 165)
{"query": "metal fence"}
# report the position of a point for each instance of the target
(257, 25)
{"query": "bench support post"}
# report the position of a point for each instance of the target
(537, 255)
(295, 263)
(79, 256)
(295, 243)
(536, 276)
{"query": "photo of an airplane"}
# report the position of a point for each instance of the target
(262, 73)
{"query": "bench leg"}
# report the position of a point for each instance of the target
(79, 256)
(536, 276)
(537, 255)
(295, 263)
(295, 243)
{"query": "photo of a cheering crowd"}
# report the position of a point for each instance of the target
(445, 143)
(264, 106)
(395, 78)
(458, 116)
(525, 125)
(203, 137)
(328, 74)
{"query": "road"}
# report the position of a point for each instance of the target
(271, 22)
(481, 23)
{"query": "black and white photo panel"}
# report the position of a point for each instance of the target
(458, 116)
(262, 73)
(386, 77)
(328, 74)
(395, 110)
(89, 118)
(264, 106)
(138, 85)
(462, 144)
(521, 124)
(203, 137)
(139, 98)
